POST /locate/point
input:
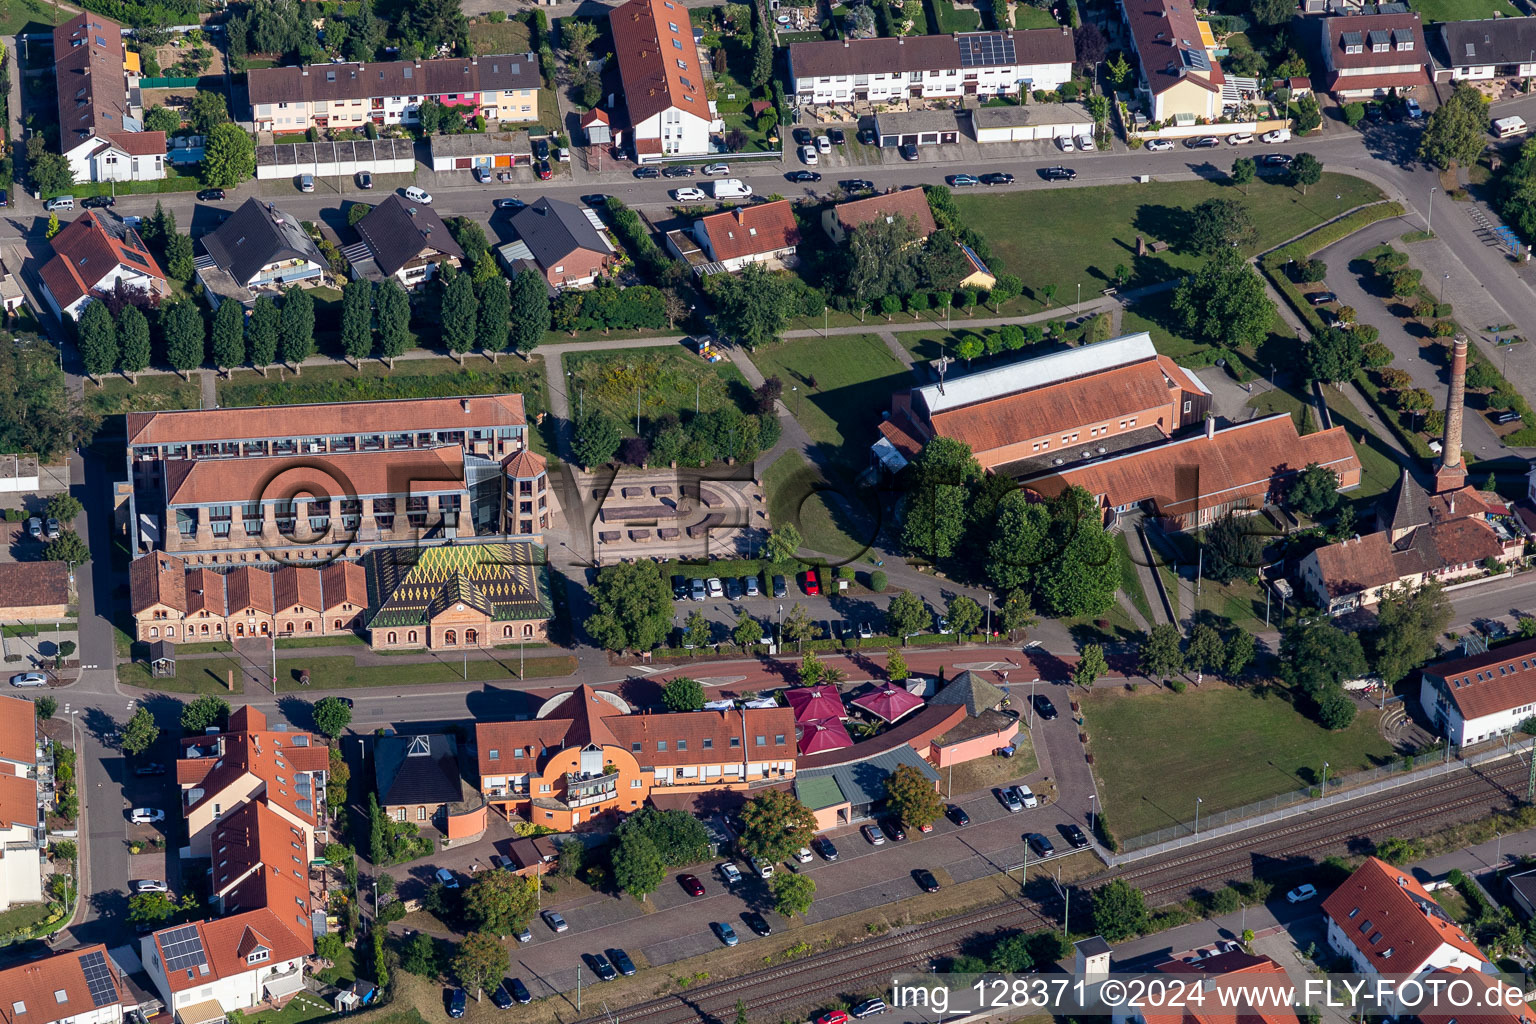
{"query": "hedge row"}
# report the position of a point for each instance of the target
(791, 649)
(1324, 236)
(1410, 439)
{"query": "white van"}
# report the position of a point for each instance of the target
(732, 188)
(1504, 127)
(1278, 135)
(418, 195)
(58, 203)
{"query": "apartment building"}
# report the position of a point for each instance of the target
(587, 753)
(81, 986)
(1178, 76)
(501, 87)
(1483, 50)
(668, 112)
(1481, 695)
(22, 822)
(100, 131)
(92, 255)
(979, 64)
(1366, 55)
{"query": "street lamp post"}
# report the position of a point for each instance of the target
(1429, 218)
(1325, 779)
(1032, 683)
(1198, 801)
(1443, 278)
(1079, 301)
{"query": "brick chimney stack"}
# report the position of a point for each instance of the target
(1451, 474)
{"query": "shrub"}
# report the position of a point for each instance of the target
(877, 581)
(1177, 685)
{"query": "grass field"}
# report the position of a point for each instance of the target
(1029, 16)
(510, 36)
(1130, 580)
(1154, 753)
(844, 384)
(829, 524)
(1379, 468)
(669, 382)
(1094, 230)
(117, 394)
(30, 16)
(305, 1006)
(206, 675)
(1462, 10)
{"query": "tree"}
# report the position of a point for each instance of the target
(911, 797)
(67, 547)
(357, 320)
(1207, 652)
(178, 257)
(637, 865)
(1457, 131)
(1315, 655)
(1056, 549)
(578, 37)
(882, 259)
(208, 110)
(229, 158)
(133, 338)
(140, 733)
(1243, 171)
(184, 336)
(933, 516)
(1306, 170)
(1218, 224)
(501, 902)
(50, 171)
(1090, 44)
(798, 627)
(792, 893)
(261, 333)
(1407, 622)
(1334, 709)
(1308, 114)
(1235, 550)
(1017, 612)
(458, 314)
(332, 716)
(203, 713)
(1011, 955)
(683, 694)
(150, 907)
(420, 956)
(228, 336)
(394, 314)
(748, 631)
(751, 307)
(1090, 666)
(296, 327)
(1225, 301)
(96, 338)
(1119, 911)
(762, 59)
(906, 616)
(782, 544)
(481, 959)
(160, 119)
(964, 616)
(1315, 491)
(492, 316)
(1118, 69)
(634, 607)
(775, 824)
(597, 438)
(64, 507)
(1334, 355)
(1160, 653)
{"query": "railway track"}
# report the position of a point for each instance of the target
(775, 990)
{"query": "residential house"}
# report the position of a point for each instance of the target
(22, 823)
(418, 780)
(1384, 922)
(910, 204)
(1177, 74)
(80, 986)
(1482, 50)
(1419, 538)
(393, 449)
(255, 959)
(405, 240)
(499, 87)
(663, 85)
(260, 859)
(92, 255)
(1367, 55)
(34, 591)
(885, 70)
(100, 132)
(763, 233)
(1482, 694)
(565, 243)
(1492, 1001)
(1052, 410)
(1234, 986)
(587, 753)
(1193, 481)
(284, 769)
(258, 250)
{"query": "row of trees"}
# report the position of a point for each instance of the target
(698, 440)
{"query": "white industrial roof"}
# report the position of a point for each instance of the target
(1034, 373)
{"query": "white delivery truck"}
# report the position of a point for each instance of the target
(732, 188)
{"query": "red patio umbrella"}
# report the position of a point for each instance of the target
(890, 703)
(816, 702)
(824, 734)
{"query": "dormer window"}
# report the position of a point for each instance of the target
(258, 955)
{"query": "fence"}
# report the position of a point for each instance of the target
(1346, 787)
(206, 82)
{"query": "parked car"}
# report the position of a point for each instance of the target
(510, 203)
(676, 171)
(1322, 298)
(800, 177)
(520, 991)
(958, 816)
(27, 679)
(810, 583)
(1158, 146)
(691, 885)
(1074, 836)
(867, 136)
(717, 168)
(541, 149)
(997, 178)
(756, 923)
(870, 1008)
(837, 136)
(835, 1017)
(779, 587)
(715, 587)
(856, 185)
(803, 137)
(1044, 708)
(596, 200)
(418, 195)
(1039, 844)
(1204, 142)
(542, 170)
(146, 815)
(962, 180)
(679, 588)
(1026, 796)
(865, 631)
(447, 878)
(1058, 173)
(803, 855)
(808, 155)
(51, 528)
(823, 144)
(697, 591)
(1275, 160)
(1278, 135)
(1507, 416)
(1065, 144)
(892, 828)
(941, 625)
(59, 203)
(724, 932)
(749, 586)
(97, 202)
(909, 151)
(501, 863)
(873, 834)
(483, 175)
(647, 172)
(764, 868)
(525, 934)
(149, 885)
(1240, 139)
(501, 997)
(622, 961)
(1414, 111)
(600, 966)
(732, 588)
(925, 880)
(150, 768)
(457, 1002)
(1301, 893)
(1009, 799)
(730, 874)
(823, 846)
(364, 179)
(306, 183)
(555, 921)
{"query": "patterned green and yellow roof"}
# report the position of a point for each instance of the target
(409, 586)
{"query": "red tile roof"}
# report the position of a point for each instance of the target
(1388, 905)
(33, 584)
(355, 474)
(285, 932)
(250, 588)
(259, 859)
(649, 38)
(524, 464)
(89, 73)
(33, 990)
(277, 758)
(158, 578)
(18, 801)
(1499, 679)
(1161, 28)
(1493, 1002)
(1258, 980)
(18, 729)
(262, 422)
(297, 588)
(344, 583)
(911, 203)
(87, 253)
(752, 230)
(139, 143)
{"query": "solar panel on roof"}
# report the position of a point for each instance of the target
(988, 49)
(98, 977)
(182, 948)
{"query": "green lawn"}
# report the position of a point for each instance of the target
(1029, 16)
(668, 381)
(117, 394)
(1155, 315)
(1154, 753)
(206, 675)
(24, 916)
(510, 36)
(948, 19)
(1130, 580)
(29, 16)
(305, 1006)
(828, 523)
(1093, 230)
(1379, 466)
(1462, 10)
(844, 383)
(344, 969)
